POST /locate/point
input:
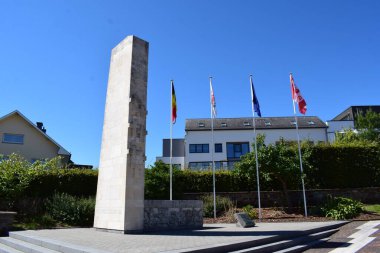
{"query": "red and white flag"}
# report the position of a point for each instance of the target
(297, 97)
(212, 101)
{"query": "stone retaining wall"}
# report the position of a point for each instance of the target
(369, 195)
(175, 214)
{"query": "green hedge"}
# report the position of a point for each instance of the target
(344, 167)
(325, 167)
(21, 179)
(75, 182)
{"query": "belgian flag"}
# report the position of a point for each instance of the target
(174, 104)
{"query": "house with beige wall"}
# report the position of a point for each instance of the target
(20, 135)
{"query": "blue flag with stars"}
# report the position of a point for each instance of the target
(255, 101)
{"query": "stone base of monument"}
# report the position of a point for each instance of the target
(172, 214)
(6, 220)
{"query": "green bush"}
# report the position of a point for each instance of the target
(341, 208)
(223, 204)
(71, 210)
(76, 182)
(20, 178)
(344, 167)
(252, 213)
(15, 176)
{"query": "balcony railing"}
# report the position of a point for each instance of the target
(207, 166)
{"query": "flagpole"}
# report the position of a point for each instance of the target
(299, 153)
(257, 162)
(171, 140)
(212, 150)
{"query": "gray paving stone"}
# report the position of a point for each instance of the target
(174, 241)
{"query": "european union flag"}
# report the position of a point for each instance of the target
(255, 101)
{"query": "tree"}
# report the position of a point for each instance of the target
(278, 164)
(368, 125)
(367, 131)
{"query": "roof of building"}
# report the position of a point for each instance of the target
(351, 112)
(261, 123)
(61, 150)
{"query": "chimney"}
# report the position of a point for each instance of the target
(40, 126)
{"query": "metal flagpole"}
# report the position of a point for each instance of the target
(299, 151)
(257, 162)
(212, 145)
(171, 140)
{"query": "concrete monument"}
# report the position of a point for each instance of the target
(120, 192)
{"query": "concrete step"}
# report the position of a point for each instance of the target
(303, 247)
(55, 246)
(24, 246)
(6, 249)
(259, 242)
(269, 244)
(296, 242)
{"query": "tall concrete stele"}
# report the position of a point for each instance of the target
(120, 192)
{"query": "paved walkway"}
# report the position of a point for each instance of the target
(215, 234)
(357, 236)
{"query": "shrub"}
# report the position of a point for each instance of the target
(76, 182)
(20, 178)
(341, 208)
(71, 210)
(345, 166)
(15, 177)
(223, 204)
(252, 213)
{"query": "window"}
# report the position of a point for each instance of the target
(236, 150)
(4, 157)
(13, 138)
(200, 166)
(33, 160)
(247, 124)
(218, 148)
(176, 166)
(198, 148)
(207, 166)
(223, 124)
(267, 124)
(311, 122)
(200, 124)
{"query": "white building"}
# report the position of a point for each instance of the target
(346, 120)
(233, 137)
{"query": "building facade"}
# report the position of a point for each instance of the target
(346, 119)
(19, 135)
(234, 137)
(178, 152)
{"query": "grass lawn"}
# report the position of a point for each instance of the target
(372, 208)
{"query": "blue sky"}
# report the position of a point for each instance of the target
(54, 60)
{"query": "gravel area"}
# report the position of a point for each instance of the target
(277, 215)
